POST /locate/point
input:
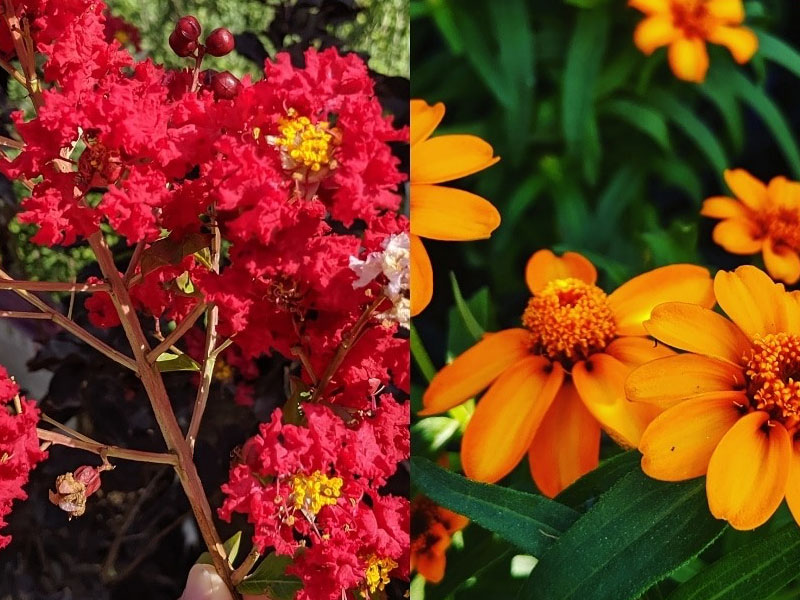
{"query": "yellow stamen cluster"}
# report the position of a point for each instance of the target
(223, 371)
(569, 320)
(377, 572)
(773, 374)
(306, 144)
(311, 493)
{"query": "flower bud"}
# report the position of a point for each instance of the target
(225, 86)
(72, 490)
(189, 28)
(181, 46)
(219, 42)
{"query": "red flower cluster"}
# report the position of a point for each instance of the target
(315, 486)
(19, 446)
(296, 173)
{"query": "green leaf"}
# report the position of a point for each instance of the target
(434, 432)
(171, 251)
(168, 362)
(717, 89)
(778, 51)
(765, 107)
(693, 127)
(467, 321)
(755, 571)
(528, 521)
(621, 190)
(421, 356)
(636, 535)
(640, 116)
(231, 550)
(584, 57)
(589, 487)
(473, 327)
(270, 578)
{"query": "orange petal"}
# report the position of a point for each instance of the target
(696, 329)
(782, 262)
(506, 418)
(678, 444)
(654, 32)
(475, 369)
(424, 120)
(443, 213)
(600, 382)
(722, 207)
(688, 59)
(730, 11)
(665, 381)
(742, 42)
(650, 6)
(633, 301)
(748, 472)
(567, 444)
(635, 351)
(751, 299)
(448, 157)
(748, 189)
(793, 484)
(421, 277)
(738, 236)
(544, 266)
(452, 521)
(431, 565)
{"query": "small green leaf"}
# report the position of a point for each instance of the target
(471, 323)
(270, 578)
(231, 550)
(171, 251)
(641, 116)
(435, 432)
(639, 532)
(755, 571)
(531, 522)
(169, 361)
(420, 355)
(779, 52)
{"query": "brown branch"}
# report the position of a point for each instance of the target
(178, 332)
(209, 351)
(135, 258)
(53, 286)
(244, 569)
(18, 314)
(168, 424)
(152, 545)
(105, 450)
(71, 326)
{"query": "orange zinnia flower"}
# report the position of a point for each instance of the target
(554, 383)
(432, 528)
(686, 25)
(438, 212)
(765, 218)
(732, 401)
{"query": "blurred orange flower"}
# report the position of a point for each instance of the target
(432, 528)
(686, 25)
(438, 212)
(732, 400)
(763, 218)
(555, 382)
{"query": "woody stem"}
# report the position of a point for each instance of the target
(61, 439)
(157, 393)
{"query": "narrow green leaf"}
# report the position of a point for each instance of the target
(270, 578)
(589, 487)
(621, 190)
(584, 57)
(528, 521)
(778, 51)
(755, 97)
(636, 535)
(693, 128)
(434, 433)
(640, 116)
(231, 549)
(421, 356)
(754, 571)
(717, 90)
(168, 362)
(471, 323)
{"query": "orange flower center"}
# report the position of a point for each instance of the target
(691, 17)
(773, 376)
(782, 225)
(569, 320)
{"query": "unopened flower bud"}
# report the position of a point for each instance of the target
(72, 490)
(189, 28)
(220, 42)
(225, 86)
